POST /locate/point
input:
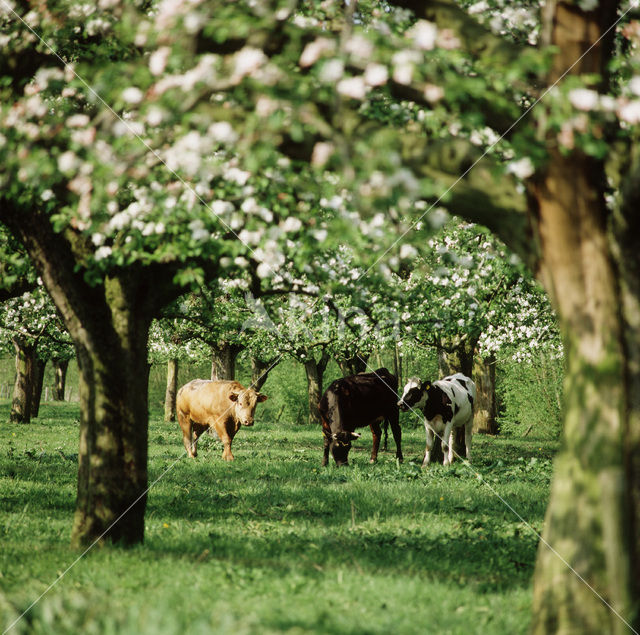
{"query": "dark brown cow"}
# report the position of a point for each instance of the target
(221, 405)
(352, 402)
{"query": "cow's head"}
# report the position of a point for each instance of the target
(414, 395)
(340, 446)
(246, 401)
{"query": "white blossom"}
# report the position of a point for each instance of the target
(376, 74)
(630, 112)
(248, 60)
(158, 60)
(102, 252)
(332, 71)
(353, 87)
(583, 99)
(132, 95)
(523, 168)
(291, 224)
(223, 132)
(423, 34)
(68, 162)
(408, 251)
(220, 207)
(314, 50)
(322, 151)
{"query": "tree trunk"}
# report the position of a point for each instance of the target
(260, 371)
(589, 520)
(589, 582)
(112, 461)
(484, 376)
(315, 372)
(456, 357)
(22, 389)
(36, 384)
(223, 360)
(171, 391)
(60, 367)
(109, 323)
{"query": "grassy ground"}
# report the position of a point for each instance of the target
(272, 542)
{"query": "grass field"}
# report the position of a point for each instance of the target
(273, 542)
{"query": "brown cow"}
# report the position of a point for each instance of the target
(221, 405)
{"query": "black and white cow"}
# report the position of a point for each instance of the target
(446, 404)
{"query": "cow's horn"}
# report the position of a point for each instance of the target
(355, 435)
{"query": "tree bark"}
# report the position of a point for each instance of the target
(315, 372)
(113, 387)
(171, 391)
(223, 360)
(589, 520)
(22, 389)
(484, 376)
(260, 371)
(37, 381)
(586, 571)
(60, 367)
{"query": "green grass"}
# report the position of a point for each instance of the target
(273, 542)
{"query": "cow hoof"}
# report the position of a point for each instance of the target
(372, 461)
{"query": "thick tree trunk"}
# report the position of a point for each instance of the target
(22, 389)
(315, 372)
(584, 579)
(60, 367)
(109, 324)
(223, 360)
(171, 391)
(112, 460)
(484, 376)
(260, 371)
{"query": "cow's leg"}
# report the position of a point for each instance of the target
(394, 421)
(326, 434)
(327, 444)
(447, 444)
(376, 432)
(226, 436)
(188, 438)
(430, 439)
(468, 433)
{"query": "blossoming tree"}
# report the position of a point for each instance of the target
(134, 155)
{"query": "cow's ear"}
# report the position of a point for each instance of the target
(233, 396)
(427, 385)
(262, 397)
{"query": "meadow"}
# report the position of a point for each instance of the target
(273, 542)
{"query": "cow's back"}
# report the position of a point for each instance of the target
(201, 399)
(461, 390)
